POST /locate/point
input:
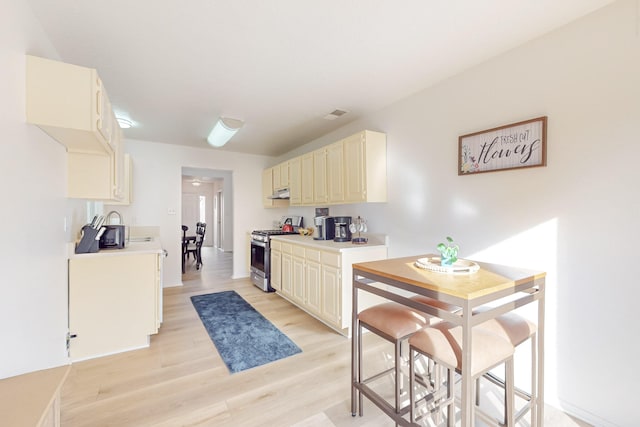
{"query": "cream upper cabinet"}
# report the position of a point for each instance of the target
(283, 169)
(352, 170)
(365, 166)
(71, 105)
(268, 190)
(275, 171)
(281, 176)
(307, 178)
(320, 176)
(295, 181)
(127, 182)
(335, 172)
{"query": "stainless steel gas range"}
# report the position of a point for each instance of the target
(261, 253)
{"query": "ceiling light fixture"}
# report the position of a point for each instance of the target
(195, 184)
(124, 123)
(223, 131)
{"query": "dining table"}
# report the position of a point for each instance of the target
(498, 288)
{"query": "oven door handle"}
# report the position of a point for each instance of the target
(257, 243)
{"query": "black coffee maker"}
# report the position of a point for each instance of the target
(343, 233)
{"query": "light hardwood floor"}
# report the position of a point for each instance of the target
(180, 379)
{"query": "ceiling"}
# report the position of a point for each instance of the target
(281, 65)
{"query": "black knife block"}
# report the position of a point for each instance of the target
(88, 242)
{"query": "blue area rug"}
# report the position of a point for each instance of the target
(243, 337)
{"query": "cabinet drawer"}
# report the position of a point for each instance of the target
(312, 255)
(298, 251)
(331, 258)
(276, 246)
(287, 248)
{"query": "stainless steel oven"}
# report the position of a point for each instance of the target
(261, 253)
(260, 260)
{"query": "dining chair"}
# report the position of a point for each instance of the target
(195, 247)
(185, 244)
(442, 342)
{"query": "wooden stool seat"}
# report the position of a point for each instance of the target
(442, 343)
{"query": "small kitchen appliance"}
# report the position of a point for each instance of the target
(113, 237)
(342, 229)
(324, 228)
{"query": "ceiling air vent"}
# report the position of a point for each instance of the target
(334, 114)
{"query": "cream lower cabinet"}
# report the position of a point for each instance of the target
(115, 302)
(276, 265)
(318, 280)
(298, 265)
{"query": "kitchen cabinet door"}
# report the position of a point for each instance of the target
(268, 189)
(127, 184)
(331, 294)
(307, 179)
(365, 167)
(298, 275)
(286, 272)
(335, 172)
(313, 281)
(69, 103)
(276, 269)
(320, 176)
(113, 303)
(295, 181)
(284, 174)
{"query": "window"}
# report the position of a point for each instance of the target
(203, 209)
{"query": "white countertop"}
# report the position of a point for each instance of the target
(375, 240)
(132, 248)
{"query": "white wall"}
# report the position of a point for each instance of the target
(33, 288)
(157, 172)
(577, 218)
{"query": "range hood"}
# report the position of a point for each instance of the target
(280, 194)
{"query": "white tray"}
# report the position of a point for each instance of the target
(461, 266)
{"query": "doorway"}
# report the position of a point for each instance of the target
(206, 197)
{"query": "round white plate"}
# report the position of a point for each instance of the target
(461, 266)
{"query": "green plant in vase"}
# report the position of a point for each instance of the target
(448, 252)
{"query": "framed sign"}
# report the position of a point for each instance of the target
(514, 146)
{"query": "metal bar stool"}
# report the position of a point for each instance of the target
(516, 329)
(395, 323)
(442, 343)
